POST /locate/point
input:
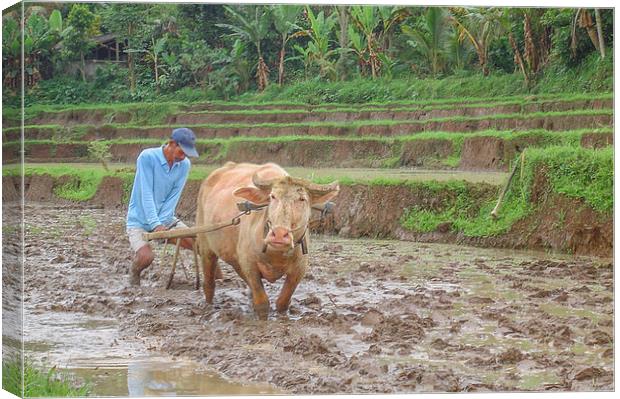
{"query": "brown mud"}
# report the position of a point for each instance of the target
(370, 316)
(597, 140)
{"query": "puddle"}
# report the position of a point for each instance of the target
(161, 377)
(91, 349)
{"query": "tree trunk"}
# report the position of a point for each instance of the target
(482, 60)
(83, 68)
(518, 59)
(132, 76)
(262, 71)
(530, 49)
(281, 63)
(372, 57)
(343, 41)
(156, 73)
(155, 67)
(585, 21)
(599, 31)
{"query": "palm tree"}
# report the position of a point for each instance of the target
(480, 26)
(252, 28)
(431, 43)
(458, 51)
(284, 18)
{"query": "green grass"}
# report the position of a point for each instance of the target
(594, 77)
(82, 184)
(217, 149)
(339, 124)
(465, 213)
(150, 113)
(37, 383)
(404, 106)
(138, 112)
(579, 173)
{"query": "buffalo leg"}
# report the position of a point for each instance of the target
(209, 263)
(289, 286)
(260, 300)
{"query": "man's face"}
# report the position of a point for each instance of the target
(177, 153)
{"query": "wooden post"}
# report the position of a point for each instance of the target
(501, 197)
(174, 263)
(196, 266)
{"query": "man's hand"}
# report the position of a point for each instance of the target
(161, 227)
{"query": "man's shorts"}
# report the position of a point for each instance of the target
(135, 235)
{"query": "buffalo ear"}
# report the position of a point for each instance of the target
(321, 198)
(252, 194)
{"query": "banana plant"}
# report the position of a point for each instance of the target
(40, 36)
(318, 50)
(367, 19)
(11, 51)
(252, 28)
(284, 18)
(391, 17)
(357, 44)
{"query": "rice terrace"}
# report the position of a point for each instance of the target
(433, 211)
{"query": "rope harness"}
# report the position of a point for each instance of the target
(246, 208)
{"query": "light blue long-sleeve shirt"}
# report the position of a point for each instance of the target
(156, 189)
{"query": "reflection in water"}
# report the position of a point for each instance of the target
(162, 378)
(91, 349)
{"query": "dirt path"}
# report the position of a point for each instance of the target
(371, 316)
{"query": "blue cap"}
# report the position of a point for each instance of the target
(186, 139)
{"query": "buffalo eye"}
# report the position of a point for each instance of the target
(273, 197)
(302, 199)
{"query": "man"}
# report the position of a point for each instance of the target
(161, 174)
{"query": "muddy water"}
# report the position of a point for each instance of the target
(370, 316)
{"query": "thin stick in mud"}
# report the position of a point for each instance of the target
(501, 197)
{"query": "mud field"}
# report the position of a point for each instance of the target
(369, 317)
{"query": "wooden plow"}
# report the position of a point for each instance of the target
(192, 232)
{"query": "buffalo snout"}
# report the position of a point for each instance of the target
(280, 236)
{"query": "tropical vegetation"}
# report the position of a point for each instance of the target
(209, 52)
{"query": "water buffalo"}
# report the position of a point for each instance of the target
(266, 243)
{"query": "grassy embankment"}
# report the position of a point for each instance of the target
(578, 173)
(37, 383)
(217, 149)
(74, 130)
(153, 113)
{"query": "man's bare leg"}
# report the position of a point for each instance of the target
(142, 259)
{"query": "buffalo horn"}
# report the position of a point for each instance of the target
(263, 184)
(314, 188)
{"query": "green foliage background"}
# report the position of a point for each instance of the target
(201, 52)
